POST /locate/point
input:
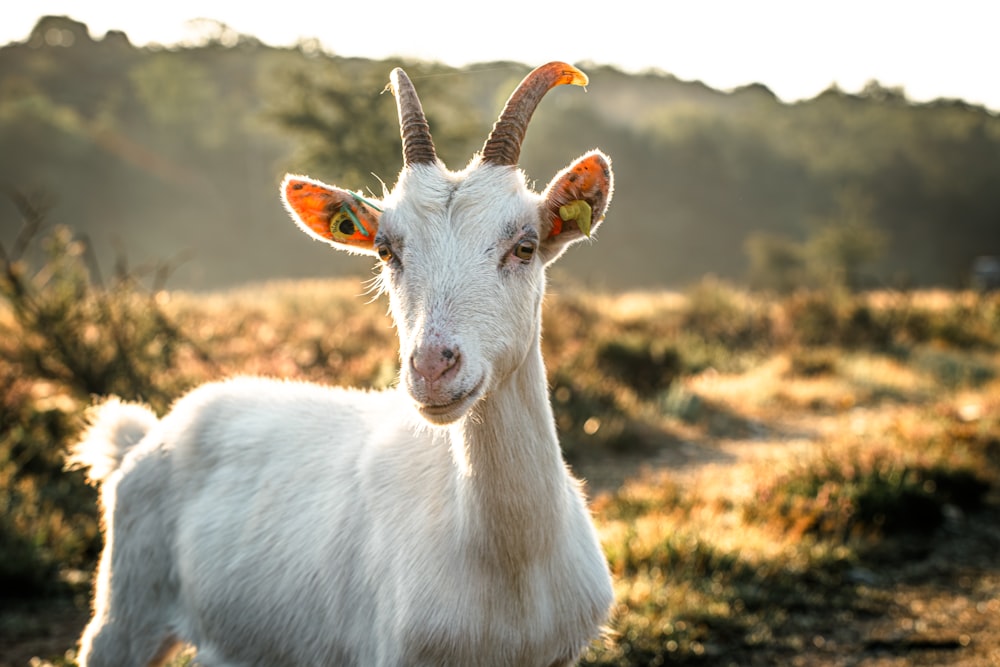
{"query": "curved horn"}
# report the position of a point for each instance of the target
(418, 147)
(503, 147)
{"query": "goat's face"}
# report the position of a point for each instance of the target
(463, 259)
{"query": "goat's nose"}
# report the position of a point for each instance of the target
(431, 364)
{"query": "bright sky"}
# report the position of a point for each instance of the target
(798, 48)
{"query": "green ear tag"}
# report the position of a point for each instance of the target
(579, 211)
(361, 199)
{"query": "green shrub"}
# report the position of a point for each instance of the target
(63, 339)
(813, 361)
(952, 369)
(89, 339)
(813, 317)
(48, 518)
(719, 313)
(590, 420)
(864, 326)
(647, 366)
(875, 495)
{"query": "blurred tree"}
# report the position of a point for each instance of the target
(181, 101)
(846, 243)
(776, 263)
(164, 150)
(348, 129)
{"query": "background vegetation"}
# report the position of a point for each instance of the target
(765, 470)
(788, 474)
(170, 154)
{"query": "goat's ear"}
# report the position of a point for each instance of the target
(574, 203)
(341, 218)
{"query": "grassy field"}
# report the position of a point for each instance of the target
(811, 479)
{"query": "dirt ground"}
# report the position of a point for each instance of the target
(932, 600)
(938, 607)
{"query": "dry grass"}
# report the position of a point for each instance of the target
(762, 470)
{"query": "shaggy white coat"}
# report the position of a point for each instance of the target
(282, 523)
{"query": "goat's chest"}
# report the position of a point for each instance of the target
(540, 615)
(457, 583)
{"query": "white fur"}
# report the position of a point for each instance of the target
(114, 428)
(282, 523)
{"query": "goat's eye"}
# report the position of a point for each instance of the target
(384, 253)
(525, 250)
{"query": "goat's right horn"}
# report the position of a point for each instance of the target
(503, 147)
(418, 147)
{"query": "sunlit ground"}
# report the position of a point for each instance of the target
(775, 481)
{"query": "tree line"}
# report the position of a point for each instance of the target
(174, 156)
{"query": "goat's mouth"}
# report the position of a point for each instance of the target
(446, 413)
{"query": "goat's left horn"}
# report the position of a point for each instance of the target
(503, 147)
(418, 147)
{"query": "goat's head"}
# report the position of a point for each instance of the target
(463, 253)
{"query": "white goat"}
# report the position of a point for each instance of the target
(282, 523)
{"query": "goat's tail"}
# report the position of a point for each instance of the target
(114, 427)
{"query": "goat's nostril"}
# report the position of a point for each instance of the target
(431, 365)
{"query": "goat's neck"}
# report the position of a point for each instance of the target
(514, 478)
